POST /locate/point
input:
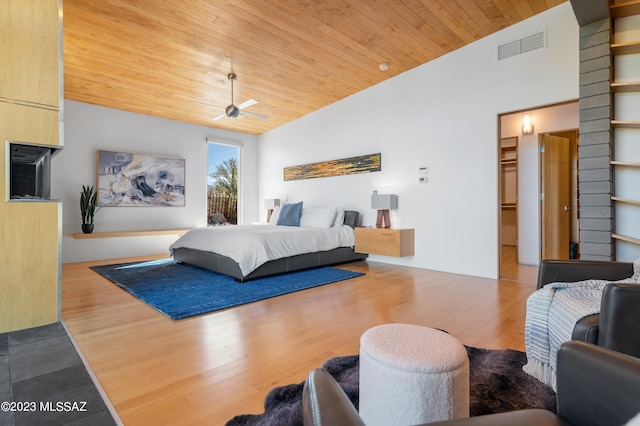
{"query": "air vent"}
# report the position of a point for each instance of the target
(517, 47)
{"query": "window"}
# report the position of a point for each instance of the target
(223, 164)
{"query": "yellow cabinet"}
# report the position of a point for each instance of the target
(30, 54)
(30, 75)
(385, 241)
(30, 100)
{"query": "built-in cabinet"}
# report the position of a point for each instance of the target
(30, 102)
(625, 86)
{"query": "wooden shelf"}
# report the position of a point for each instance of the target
(625, 164)
(511, 206)
(625, 48)
(625, 124)
(625, 87)
(626, 200)
(623, 10)
(120, 234)
(625, 238)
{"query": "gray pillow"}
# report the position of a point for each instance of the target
(290, 214)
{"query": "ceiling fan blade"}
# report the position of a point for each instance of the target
(254, 115)
(247, 103)
(206, 104)
(238, 110)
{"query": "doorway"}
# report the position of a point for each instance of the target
(559, 195)
(522, 220)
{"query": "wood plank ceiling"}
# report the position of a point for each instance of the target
(292, 56)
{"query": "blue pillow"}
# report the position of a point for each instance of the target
(290, 214)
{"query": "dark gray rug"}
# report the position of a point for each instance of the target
(497, 384)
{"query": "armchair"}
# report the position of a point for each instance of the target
(617, 326)
(596, 387)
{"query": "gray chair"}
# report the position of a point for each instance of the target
(617, 326)
(596, 387)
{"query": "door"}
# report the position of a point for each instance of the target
(556, 196)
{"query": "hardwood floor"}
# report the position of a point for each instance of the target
(512, 270)
(207, 369)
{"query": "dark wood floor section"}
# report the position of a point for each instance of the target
(207, 369)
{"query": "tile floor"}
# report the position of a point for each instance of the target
(44, 382)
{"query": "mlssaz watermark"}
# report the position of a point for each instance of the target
(47, 406)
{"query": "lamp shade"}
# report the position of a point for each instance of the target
(271, 203)
(384, 201)
(527, 127)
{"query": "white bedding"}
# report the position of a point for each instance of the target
(253, 245)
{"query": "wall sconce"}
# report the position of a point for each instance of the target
(527, 127)
(270, 204)
(383, 202)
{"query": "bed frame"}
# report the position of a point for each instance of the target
(225, 265)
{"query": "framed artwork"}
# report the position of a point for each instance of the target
(126, 179)
(345, 166)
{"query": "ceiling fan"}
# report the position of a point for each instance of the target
(233, 110)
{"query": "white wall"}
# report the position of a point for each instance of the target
(442, 115)
(89, 128)
(544, 120)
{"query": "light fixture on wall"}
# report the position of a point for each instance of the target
(527, 127)
(270, 204)
(383, 202)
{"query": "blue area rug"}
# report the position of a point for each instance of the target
(181, 291)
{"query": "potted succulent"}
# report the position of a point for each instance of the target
(88, 203)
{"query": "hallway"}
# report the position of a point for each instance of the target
(514, 271)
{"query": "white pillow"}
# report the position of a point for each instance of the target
(274, 216)
(339, 217)
(318, 217)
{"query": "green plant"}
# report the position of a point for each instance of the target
(88, 203)
(226, 177)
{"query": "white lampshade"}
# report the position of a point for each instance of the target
(384, 201)
(527, 127)
(271, 203)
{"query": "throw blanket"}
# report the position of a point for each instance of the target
(552, 313)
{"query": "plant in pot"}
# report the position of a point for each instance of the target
(88, 203)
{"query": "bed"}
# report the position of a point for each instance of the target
(245, 252)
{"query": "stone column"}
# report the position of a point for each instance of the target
(595, 174)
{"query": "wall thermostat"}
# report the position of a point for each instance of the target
(422, 174)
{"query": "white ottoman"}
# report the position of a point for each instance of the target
(411, 374)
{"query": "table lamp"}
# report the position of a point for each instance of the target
(383, 202)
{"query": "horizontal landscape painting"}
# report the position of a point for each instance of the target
(140, 180)
(346, 166)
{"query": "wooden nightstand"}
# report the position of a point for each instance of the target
(385, 241)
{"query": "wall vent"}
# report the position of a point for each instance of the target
(523, 45)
